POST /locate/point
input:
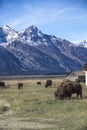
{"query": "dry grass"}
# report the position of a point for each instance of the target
(35, 108)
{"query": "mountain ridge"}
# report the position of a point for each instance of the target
(40, 53)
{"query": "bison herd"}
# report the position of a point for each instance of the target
(3, 86)
(64, 90)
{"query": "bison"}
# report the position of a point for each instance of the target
(38, 83)
(67, 89)
(20, 85)
(2, 85)
(48, 83)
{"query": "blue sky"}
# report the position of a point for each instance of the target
(62, 18)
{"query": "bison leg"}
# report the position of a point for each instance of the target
(69, 97)
(77, 95)
(3, 87)
(81, 95)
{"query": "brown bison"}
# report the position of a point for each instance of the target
(60, 86)
(2, 85)
(20, 85)
(67, 89)
(38, 83)
(48, 83)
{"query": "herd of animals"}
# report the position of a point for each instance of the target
(3, 86)
(64, 90)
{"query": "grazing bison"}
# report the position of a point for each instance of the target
(20, 85)
(38, 83)
(2, 85)
(48, 83)
(70, 88)
(67, 88)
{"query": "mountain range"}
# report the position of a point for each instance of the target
(32, 52)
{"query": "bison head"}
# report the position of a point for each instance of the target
(61, 96)
(58, 95)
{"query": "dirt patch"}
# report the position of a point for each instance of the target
(19, 124)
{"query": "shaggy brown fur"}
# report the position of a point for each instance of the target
(60, 86)
(70, 88)
(48, 83)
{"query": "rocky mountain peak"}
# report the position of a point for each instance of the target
(39, 53)
(83, 44)
(33, 27)
(7, 29)
(32, 30)
(9, 33)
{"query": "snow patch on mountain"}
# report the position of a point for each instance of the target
(83, 44)
(11, 35)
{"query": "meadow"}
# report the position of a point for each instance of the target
(35, 108)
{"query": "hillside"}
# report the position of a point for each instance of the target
(38, 53)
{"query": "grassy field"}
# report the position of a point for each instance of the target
(35, 108)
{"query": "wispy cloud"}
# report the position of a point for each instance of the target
(41, 16)
(77, 37)
(70, 19)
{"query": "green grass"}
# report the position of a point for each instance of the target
(36, 105)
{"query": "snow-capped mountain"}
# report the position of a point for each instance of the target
(8, 34)
(83, 44)
(40, 53)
